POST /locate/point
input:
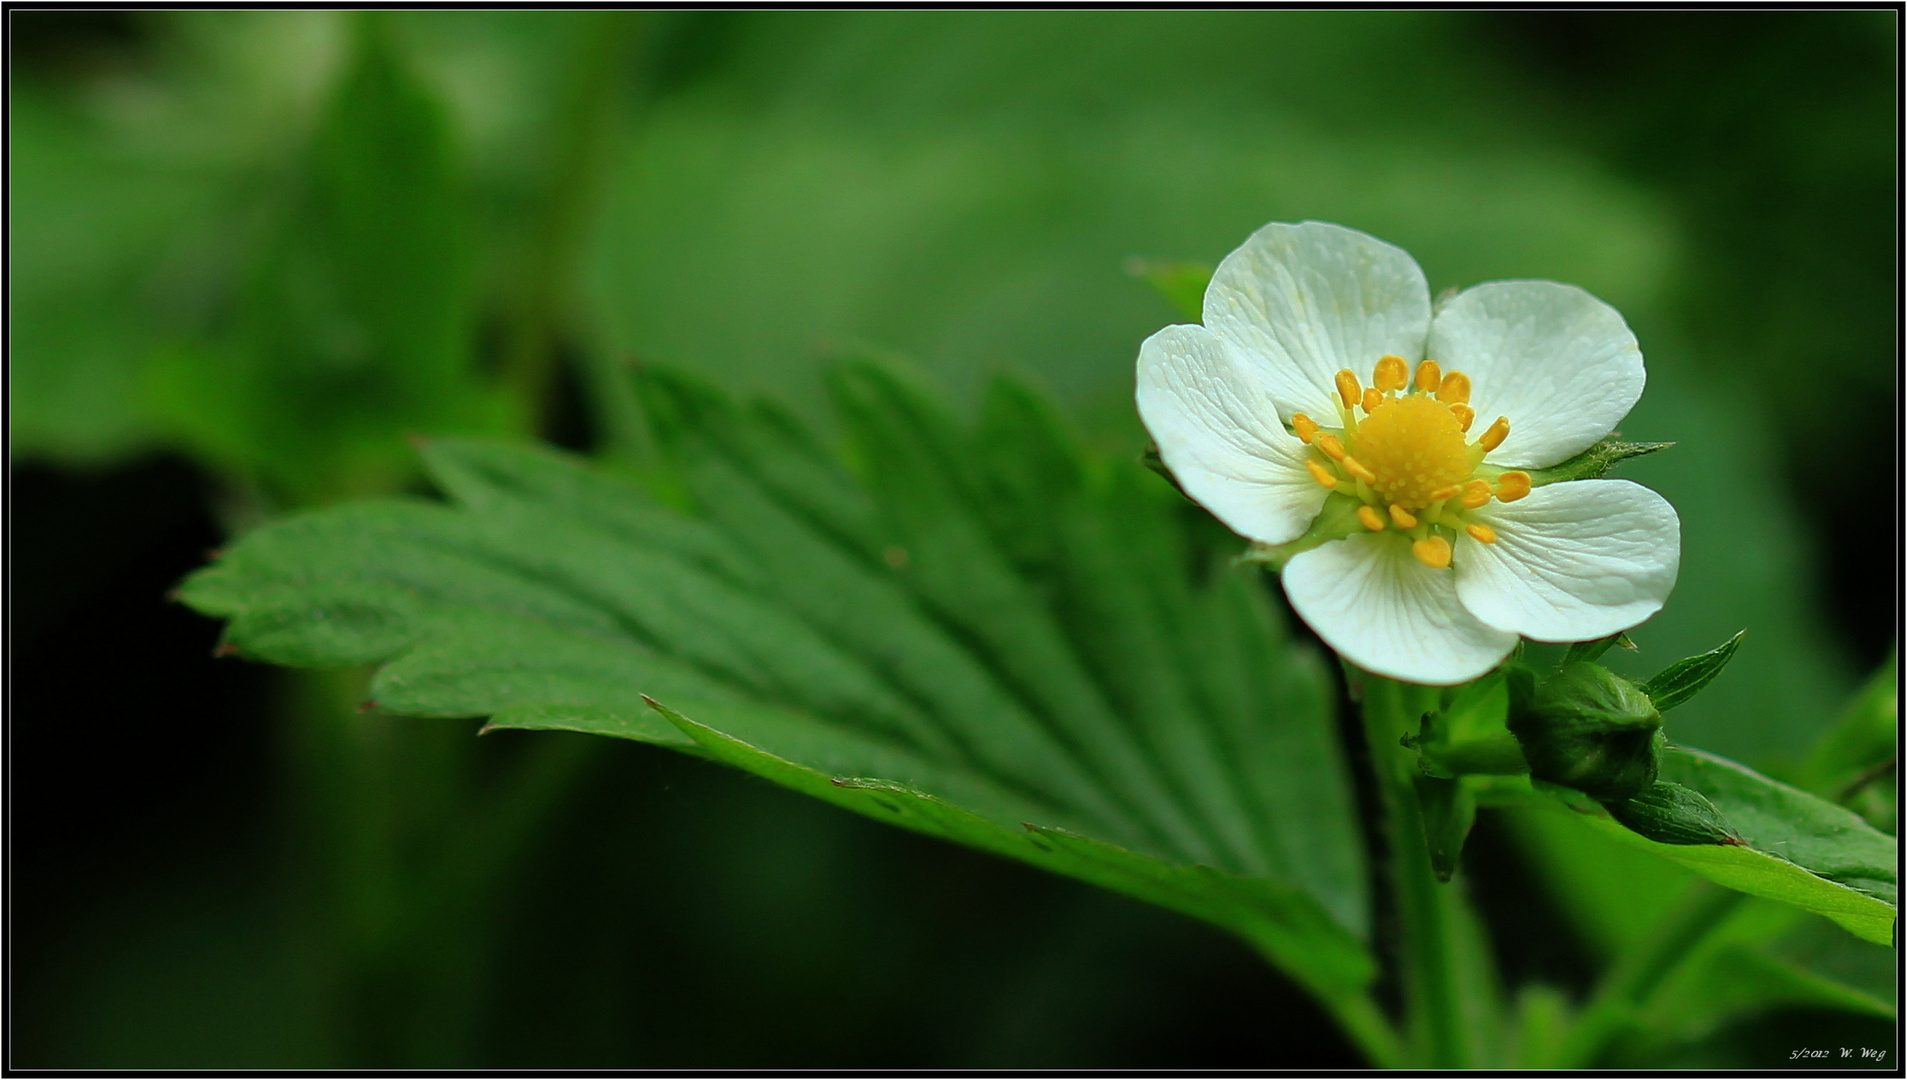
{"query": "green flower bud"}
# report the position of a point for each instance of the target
(1672, 814)
(1587, 728)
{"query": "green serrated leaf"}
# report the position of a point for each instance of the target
(994, 621)
(1684, 679)
(1595, 461)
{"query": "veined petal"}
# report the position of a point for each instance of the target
(1561, 364)
(1572, 561)
(1370, 599)
(1218, 431)
(1306, 301)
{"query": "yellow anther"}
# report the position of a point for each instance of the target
(1429, 376)
(1373, 397)
(1348, 390)
(1454, 389)
(1512, 486)
(1465, 415)
(1442, 494)
(1329, 443)
(1351, 466)
(1494, 437)
(1475, 494)
(1304, 426)
(1483, 533)
(1321, 474)
(1402, 517)
(1391, 373)
(1433, 551)
(1372, 520)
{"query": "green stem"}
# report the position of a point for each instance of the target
(1364, 1022)
(1626, 987)
(1433, 990)
(583, 148)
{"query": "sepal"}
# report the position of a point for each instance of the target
(1685, 678)
(1596, 461)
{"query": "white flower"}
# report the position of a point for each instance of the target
(1439, 552)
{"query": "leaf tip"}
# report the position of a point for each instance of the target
(367, 705)
(224, 649)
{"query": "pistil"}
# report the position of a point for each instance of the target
(1407, 463)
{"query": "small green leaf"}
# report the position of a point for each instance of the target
(1181, 283)
(1684, 679)
(1595, 461)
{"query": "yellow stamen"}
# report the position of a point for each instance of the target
(1373, 397)
(1442, 494)
(1304, 426)
(1433, 551)
(1483, 533)
(1475, 494)
(1402, 517)
(1370, 517)
(1512, 486)
(1390, 374)
(1414, 447)
(1329, 443)
(1351, 466)
(1348, 390)
(1454, 389)
(1429, 376)
(1465, 415)
(1494, 437)
(1321, 474)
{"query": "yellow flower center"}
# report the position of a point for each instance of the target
(1407, 462)
(1414, 446)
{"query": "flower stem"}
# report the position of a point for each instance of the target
(1626, 987)
(1433, 990)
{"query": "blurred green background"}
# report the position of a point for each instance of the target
(252, 251)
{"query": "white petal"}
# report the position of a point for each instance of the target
(1572, 561)
(1218, 432)
(1561, 364)
(1370, 599)
(1309, 300)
